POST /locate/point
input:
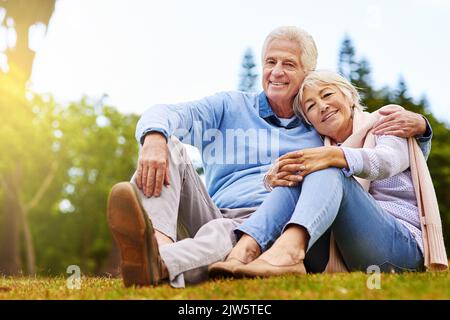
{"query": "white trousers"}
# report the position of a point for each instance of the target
(202, 232)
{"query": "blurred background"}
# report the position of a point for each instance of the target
(76, 74)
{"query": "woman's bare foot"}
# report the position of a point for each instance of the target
(245, 251)
(289, 248)
(284, 257)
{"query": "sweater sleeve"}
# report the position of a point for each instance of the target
(184, 120)
(425, 140)
(388, 158)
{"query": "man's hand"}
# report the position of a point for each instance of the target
(399, 122)
(153, 165)
(277, 178)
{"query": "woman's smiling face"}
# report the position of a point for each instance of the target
(328, 110)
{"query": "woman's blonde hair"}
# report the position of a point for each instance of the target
(327, 77)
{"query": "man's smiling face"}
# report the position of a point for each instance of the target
(282, 72)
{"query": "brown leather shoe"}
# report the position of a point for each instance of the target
(262, 268)
(133, 231)
(223, 269)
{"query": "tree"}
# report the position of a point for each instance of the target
(19, 129)
(27, 169)
(400, 94)
(22, 14)
(358, 72)
(363, 81)
(97, 148)
(347, 65)
(248, 75)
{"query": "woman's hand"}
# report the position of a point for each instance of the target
(306, 161)
(290, 169)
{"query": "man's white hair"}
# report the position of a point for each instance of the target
(327, 77)
(308, 49)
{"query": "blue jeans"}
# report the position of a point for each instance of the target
(328, 200)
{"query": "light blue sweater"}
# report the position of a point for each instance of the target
(238, 136)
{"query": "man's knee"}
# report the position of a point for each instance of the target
(177, 152)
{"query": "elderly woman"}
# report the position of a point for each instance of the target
(364, 200)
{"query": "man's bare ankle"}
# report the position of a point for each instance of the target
(165, 271)
(162, 238)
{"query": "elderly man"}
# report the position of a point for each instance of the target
(166, 223)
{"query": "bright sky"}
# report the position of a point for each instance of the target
(144, 52)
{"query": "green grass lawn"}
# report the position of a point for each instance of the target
(321, 286)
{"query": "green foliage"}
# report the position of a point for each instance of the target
(98, 149)
(439, 161)
(248, 73)
(92, 147)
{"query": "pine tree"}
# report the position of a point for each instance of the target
(358, 72)
(347, 65)
(400, 93)
(248, 74)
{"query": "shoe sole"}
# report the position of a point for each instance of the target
(134, 235)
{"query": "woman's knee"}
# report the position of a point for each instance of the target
(329, 176)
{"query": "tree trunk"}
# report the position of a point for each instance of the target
(10, 262)
(20, 61)
(29, 248)
(25, 13)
